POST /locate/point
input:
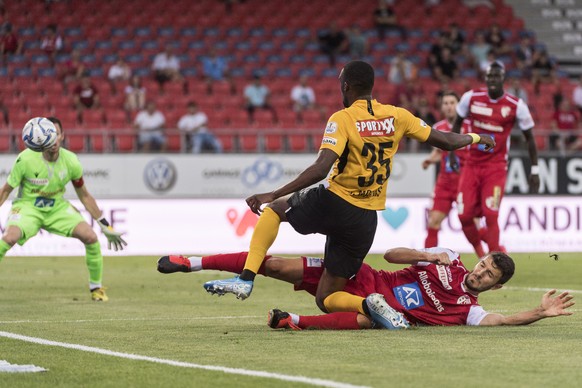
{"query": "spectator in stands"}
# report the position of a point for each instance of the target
(456, 38)
(51, 42)
(401, 69)
(150, 125)
(86, 96)
(577, 95)
(436, 50)
(332, 42)
(166, 67)
(424, 112)
(446, 67)
(497, 41)
(4, 110)
(358, 43)
(385, 20)
(194, 124)
(564, 123)
(543, 70)
(524, 55)
(303, 98)
(444, 88)
(479, 50)
(118, 72)
(516, 89)
(72, 70)
(215, 68)
(135, 96)
(408, 95)
(9, 42)
(491, 57)
(256, 96)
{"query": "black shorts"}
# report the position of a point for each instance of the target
(349, 229)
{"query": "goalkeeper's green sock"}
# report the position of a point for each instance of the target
(94, 264)
(4, 247)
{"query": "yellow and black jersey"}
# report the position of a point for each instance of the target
(365, 145)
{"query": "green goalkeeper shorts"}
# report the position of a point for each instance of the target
(61, 219)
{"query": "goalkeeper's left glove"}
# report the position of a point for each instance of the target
(113, 237)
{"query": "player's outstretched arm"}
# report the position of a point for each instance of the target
(113, 238)
(550, 307)
(450, 141)
(412, 256)
(311, 175)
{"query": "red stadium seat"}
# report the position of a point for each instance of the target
(5, 139)
(274, 142)
(75, 142)
(248, 142)
(297, 143)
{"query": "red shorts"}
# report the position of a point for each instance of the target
(481, 190)
(445, 193)
(363, 284)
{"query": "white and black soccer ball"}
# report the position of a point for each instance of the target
(39, 134)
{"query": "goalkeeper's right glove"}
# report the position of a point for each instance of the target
(113, 237)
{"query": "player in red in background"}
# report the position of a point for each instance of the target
(445, 191)
(436, 288)
(490, 112)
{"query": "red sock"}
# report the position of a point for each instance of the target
(231, 262)
(333, 321)
(492, 236)
(472, 233)
(432, 239)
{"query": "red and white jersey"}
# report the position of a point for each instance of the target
(495, 118)
(432, 294)
(445, 171)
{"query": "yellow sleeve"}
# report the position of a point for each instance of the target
(335, 136)
(414, 127)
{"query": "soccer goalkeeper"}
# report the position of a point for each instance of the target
(41, 178)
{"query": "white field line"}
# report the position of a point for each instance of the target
(134, 319)
(536, 289)
(216, 368)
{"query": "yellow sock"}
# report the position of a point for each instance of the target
(263, 237)
(343, 301)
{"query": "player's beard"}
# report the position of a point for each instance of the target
(345, 102)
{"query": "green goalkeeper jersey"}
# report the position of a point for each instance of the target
(40, 182)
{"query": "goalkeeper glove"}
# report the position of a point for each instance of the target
(113, 237)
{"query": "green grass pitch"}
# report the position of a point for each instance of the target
(171, 317)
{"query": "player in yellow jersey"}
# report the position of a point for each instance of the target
(359, 143)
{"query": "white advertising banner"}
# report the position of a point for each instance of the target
(215, 176)
(157, 227)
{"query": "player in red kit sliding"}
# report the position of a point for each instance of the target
(435, 289)
(491, 112)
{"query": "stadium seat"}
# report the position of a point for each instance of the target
(274, 142)
(297, 143)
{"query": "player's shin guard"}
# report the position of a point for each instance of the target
(94, 262)
(263, 237)
(343, 301)
(231, 262)
(4, 247)
(432, 239)
(333, 321)
(492, 234)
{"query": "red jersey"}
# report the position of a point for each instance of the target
(432, 294)
(566, 120)
(495, 118)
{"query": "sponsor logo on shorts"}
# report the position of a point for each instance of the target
(409, 295)
(14, 217)
(44, 202)
(494, 201)
(331, 127)
(329, 140)
(464, 299)
(314, 262)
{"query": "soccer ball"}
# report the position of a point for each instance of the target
(39, 134)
